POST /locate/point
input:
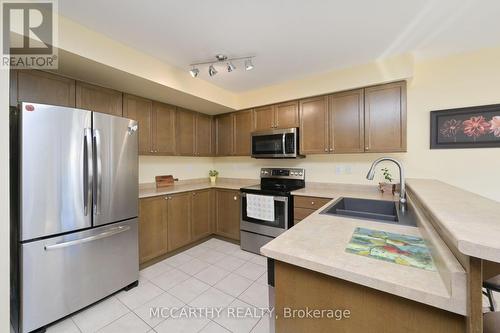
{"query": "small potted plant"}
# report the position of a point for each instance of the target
(387, 186)
(213, 175)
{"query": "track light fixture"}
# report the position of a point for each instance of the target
(220, 58)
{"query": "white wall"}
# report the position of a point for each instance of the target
(180, 167)
(4, 201)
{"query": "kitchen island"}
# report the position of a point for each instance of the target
(313, 269)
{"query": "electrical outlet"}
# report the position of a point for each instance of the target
(348, 170)
(338, 170)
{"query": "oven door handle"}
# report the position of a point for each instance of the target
(282, 199)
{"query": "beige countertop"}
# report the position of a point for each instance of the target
(335, 190)
(470, 221)
(150, 190)
(318, 243)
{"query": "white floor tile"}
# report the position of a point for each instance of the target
(251, 271)
(212, 256)
(212, 298)
(195, 251)
(236, 321)
(129, 323)
(230, 263)
(243, 255)
(189, 289)
(193, 266)
(139, 295)
(182, 324)
(213, 327)
(65, 326)
(233, 284)
(169, 279)
(259, 260)
(256, 295)
(227, 248)
(263, 279)
(214, 243)
(177, 260)
(100, 315)
(154, 270)
(212, 274)
(263, 326)
(164, 301)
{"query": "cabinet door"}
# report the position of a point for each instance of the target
(201, 218)
(347, 122)
(99, 99)
(152, 228)
(45, 88)
(164, 128)
(264, 118)
(242, 133)
(203, 135)
(141, 109)
(224, 129)
(287, 114)
(185, 125)
(228, 213)
(179, 220)
(314, 129)
(385, 118)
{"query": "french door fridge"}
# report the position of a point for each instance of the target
(75, 222)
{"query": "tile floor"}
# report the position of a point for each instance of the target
(213, 274)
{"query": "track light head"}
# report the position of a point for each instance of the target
(230, 67)
(212, 71)
(248, 64)
(194, 72)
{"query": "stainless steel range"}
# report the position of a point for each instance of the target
(267, 209)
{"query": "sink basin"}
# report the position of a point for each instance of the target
(377, 210)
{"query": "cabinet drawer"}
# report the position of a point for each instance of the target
(310, 202)
(302, 213)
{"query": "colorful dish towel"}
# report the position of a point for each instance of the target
(260, 207)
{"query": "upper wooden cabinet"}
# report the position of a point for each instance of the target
(152, 228)
(346, 122)
(264, 118)
(204, 133)
(385, 118)
(224, 132)
(99, 99)
(228, 213)
(283, 115)
(42, 87)
(185, 132)
(243, 126)
(178, 220)
(314, 126)
(286, 115)
(201, 214)
(141, 109)
(163, 133)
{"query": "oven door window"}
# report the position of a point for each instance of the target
(280, 214)
(267, 144)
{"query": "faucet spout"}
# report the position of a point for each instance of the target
(402, 191)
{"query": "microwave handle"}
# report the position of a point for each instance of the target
(283, 139)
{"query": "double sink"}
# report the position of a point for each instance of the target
(375, 210)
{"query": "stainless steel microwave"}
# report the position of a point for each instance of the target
(278, 143)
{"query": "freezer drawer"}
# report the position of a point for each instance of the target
(63, 274)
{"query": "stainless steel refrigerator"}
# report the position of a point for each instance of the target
(74, 218)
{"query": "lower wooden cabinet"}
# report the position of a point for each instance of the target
(178, 220)
(228, 213)
(304, 206)
(152, 228)
(201, 216)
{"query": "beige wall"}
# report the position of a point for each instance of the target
(4, 201)
(179, 167)
(455, 81)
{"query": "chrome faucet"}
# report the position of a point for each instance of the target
(402, 191)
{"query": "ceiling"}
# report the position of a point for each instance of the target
(291, 39)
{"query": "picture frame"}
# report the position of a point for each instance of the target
(468, 127)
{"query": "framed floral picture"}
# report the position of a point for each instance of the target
(471, 127)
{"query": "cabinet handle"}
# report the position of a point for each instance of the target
(312, 203)
(326, 149)
(331, 149)
(235, 198)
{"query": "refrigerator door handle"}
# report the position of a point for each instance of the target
(88, 173)
(98, 168)
(105, 234)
